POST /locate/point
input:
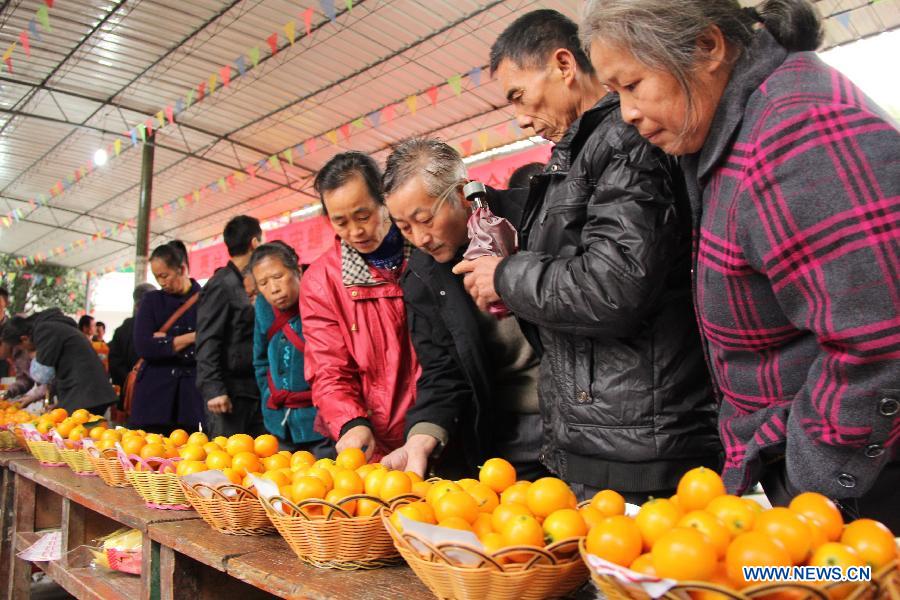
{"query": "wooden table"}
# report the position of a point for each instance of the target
(84, 508)
(201, 562)
(183, 557)
(7, 480)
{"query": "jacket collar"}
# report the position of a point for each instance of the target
(356, 272)
(567, 149)
(751, 70)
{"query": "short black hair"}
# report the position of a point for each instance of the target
(100, 324)
(174, 254)
(530, 39)
(341, 168)
(85, 321)
(4, 293)
(239, 233)
(279, 250)
(15, 328)
(521, 177)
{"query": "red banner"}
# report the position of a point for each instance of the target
(496, 172)
(310, 238)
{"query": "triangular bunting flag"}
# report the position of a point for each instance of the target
(240, 65)
(253, 53)
(483, 140)
(844, 19)
(299, 149)
(222, 184)
(307, 20)
(240, 176)
(433, 95)
(49, 3)
(33, 30)
(455, 83)
(387, 113)
(170, 114)
(149, 124)
(273, 161)
(160, 119)
(360, 123)
(475, 76)
(142, 131)
(201, 91)
(273, 43)
(328, 9)
(332, 136)
(466, 146)
(412, 102)
(230, 180)
(179, 106)
(196, 195)
(290, 31)
(349, 5)
(189, 99)
(345, 131)
(44, 18)
(225, 75)
(310, 145)
(289, 156)
(213, 78)
(8, 61)
(251, 171)
(375, 118)
(26, 44)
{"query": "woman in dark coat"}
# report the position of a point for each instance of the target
(166, 394)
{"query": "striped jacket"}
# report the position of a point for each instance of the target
(796, 200)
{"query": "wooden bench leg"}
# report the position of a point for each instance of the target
(6, 503)
(23, 521)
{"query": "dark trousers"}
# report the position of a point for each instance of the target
(323, 448)
(880, 503)
(245, 417)
(586, 492)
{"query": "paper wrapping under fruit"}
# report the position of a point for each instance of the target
(490, 235)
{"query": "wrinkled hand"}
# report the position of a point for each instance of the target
(361, 437)
(479, 279)
(180, 342)
(412, 456)
(219, 405)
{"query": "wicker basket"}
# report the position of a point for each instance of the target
(20, 435)
(239, 513)
(77, 461)
(338, 541)
(884, 585)
(46, 452)
(8, 441)
(552, 572)
(107, 466)
(159, 490)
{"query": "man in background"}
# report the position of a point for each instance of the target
(100, 332)
(122, 353)
(225, 320)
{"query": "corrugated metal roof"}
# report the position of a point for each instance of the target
(109, 65)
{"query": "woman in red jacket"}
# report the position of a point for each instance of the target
(359, 358)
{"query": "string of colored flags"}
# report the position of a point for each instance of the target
(216, 81)
(42, 16)
(484, 139)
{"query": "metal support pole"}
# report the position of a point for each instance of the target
(87, 294)
(142, 250)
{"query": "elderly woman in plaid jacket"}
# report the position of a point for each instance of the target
(795, 186)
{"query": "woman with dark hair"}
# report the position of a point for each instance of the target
(794, 186)
(278, 345)
(63, 356)
(166, 394)
(359, 357)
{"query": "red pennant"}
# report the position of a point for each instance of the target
(225, 75)
(77, 174)
(170, 114)
(251, 171)
(307, 18)
(310, 145)
(149, 123)
(201, 90)
(345, 131)
(466, 146)
(230, 179)
(387, 113)
(8, 61)
(49, 3)
(273, 43)
(433, 95)
(26, 43)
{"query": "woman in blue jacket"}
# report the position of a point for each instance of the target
(278, 346)
(165, 393)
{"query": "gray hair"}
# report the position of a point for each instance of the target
(439, 165)
(663, 34)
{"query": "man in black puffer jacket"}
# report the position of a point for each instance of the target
(603, 274)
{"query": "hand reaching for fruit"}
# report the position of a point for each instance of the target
(412, 456)
(360, 437)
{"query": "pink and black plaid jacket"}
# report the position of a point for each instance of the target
(796, 195)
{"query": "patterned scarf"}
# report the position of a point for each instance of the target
(389, 254)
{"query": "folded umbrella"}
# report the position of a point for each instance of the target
(489, 235)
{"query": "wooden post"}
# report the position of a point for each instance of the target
(23, 522)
